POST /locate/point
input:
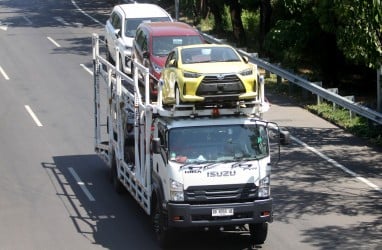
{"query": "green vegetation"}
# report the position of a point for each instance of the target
(339, 116)
(356, 125)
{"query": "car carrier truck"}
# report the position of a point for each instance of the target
(188, 167)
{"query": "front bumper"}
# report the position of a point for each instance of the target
(186, 215)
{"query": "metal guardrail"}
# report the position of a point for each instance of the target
(312, 87)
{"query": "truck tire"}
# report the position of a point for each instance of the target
(117, 184)
(159, 222)
(258, 233)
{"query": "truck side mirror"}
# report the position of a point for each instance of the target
(156, 145)
(117, 33)
(284, 137)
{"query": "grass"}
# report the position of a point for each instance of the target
(356, 125)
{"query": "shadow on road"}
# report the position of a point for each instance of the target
(116, 221)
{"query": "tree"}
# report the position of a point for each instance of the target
(265, 19)
(237, 24)
(358, 28)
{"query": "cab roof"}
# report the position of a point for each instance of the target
(142, 10)
(169, 29)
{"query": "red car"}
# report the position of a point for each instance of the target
(153, 41)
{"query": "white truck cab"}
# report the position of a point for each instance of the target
(217, 170)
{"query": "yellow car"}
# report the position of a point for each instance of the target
(207, 73)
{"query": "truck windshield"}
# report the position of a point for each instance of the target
(218, 143)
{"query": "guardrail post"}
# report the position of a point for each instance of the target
(291, 85)
(350, 98)
(379, 89)
(335, 91)
(279, 78)
(267, 72)
(319, 98)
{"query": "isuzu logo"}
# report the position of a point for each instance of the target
(221, 173)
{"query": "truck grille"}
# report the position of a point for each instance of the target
(220, 193)
(223, 85)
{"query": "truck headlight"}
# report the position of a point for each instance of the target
(265, 183)
(176, 191)
(264, 187)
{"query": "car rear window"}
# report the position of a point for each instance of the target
(162, 45)
(131, 24)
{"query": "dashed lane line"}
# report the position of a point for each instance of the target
(86, 68)
(337, 165)
(86, 14)
(61, 20)
(81, 184)
(33, 115)
(54, 42)
(27, 20)
(3, 26)
(6, 77)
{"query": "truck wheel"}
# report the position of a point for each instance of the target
(258, 232)
(117, 184)
(159, 222)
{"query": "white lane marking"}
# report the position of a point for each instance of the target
(86, 68)
(34, 117)
(27, 20)
(61, 20)
(4, 74)
(86, 14)
(81, 184)
(53, 41)
(337, 165)
(3, 27)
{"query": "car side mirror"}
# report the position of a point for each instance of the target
(245, 59)
(146, 54)
(172, 63)
(156, 145)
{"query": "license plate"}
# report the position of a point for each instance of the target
(222, 212)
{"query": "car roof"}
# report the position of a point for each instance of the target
(141, 10)
(169, 28)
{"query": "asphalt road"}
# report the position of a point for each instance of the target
(55, 192)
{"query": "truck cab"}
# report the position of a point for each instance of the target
(217, 172)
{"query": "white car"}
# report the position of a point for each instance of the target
(121, 26)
